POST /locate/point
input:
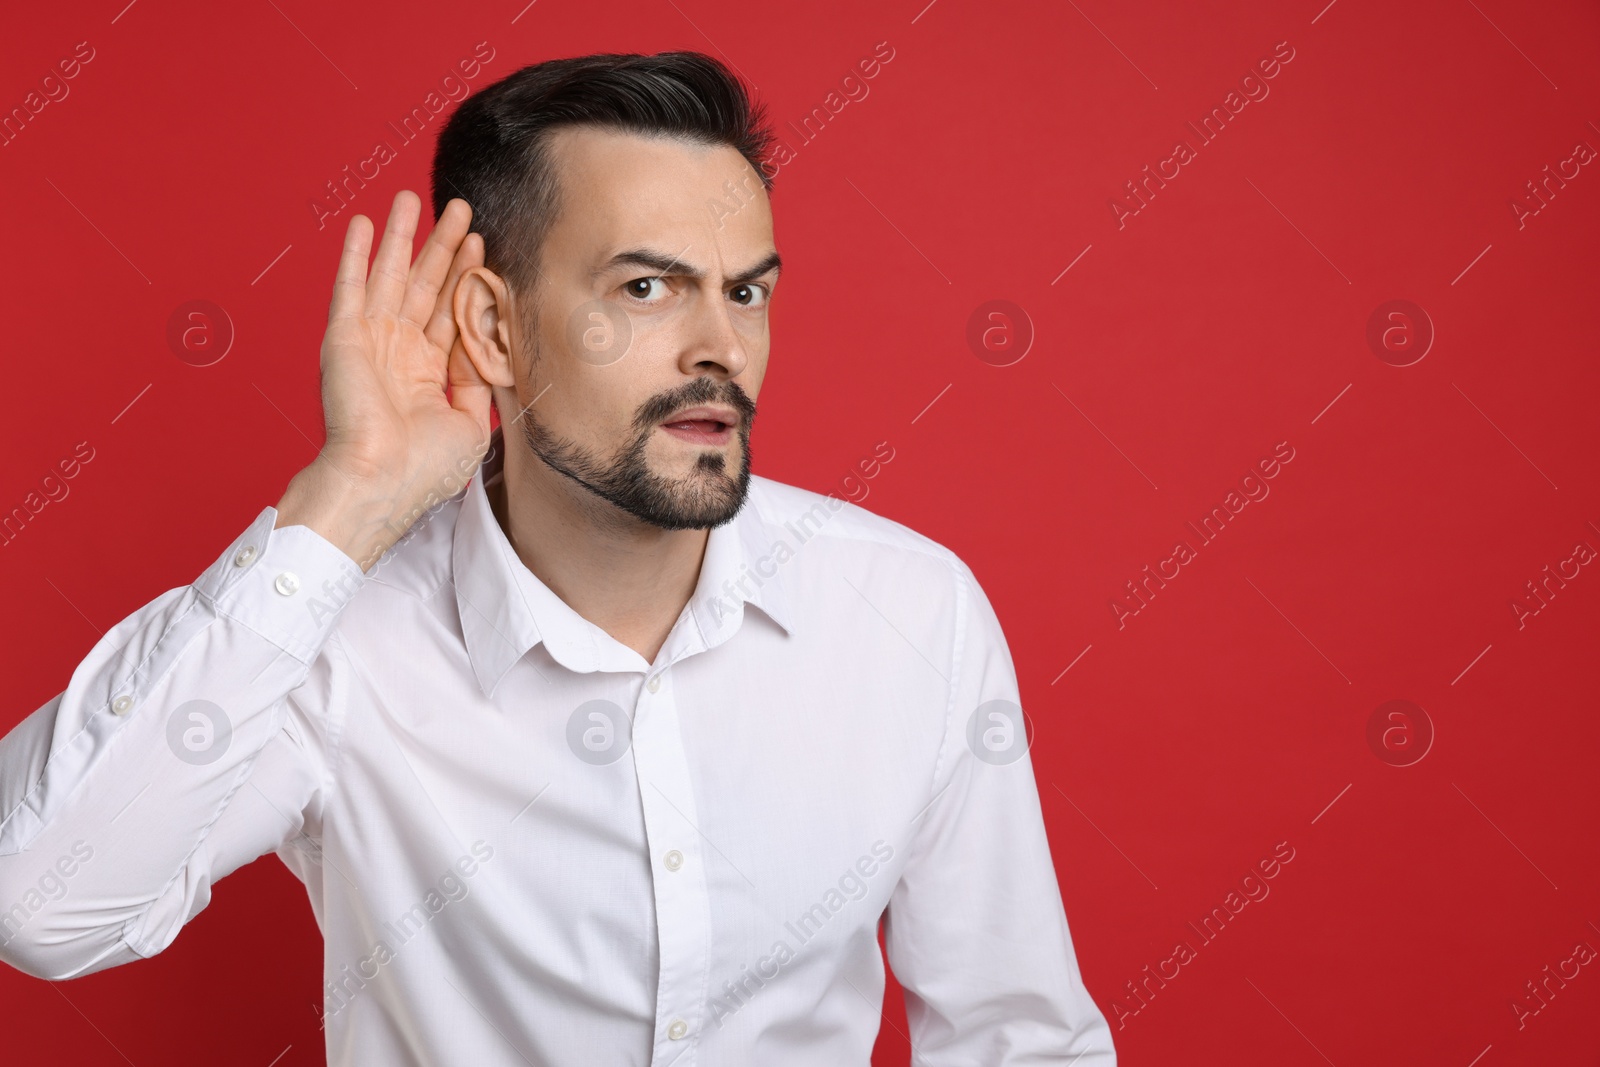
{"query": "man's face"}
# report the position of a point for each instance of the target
(651, 301)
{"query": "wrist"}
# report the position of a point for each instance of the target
(358, 517)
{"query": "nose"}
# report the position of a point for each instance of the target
(714, 344)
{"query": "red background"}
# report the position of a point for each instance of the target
(1230, 314)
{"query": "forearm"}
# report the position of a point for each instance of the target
(112, 793)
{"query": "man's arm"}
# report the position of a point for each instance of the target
(188, 743)
(976, 932)
(190, 739)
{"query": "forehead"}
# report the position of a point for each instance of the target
(620, 188)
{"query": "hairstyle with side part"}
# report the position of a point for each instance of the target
(494, 150)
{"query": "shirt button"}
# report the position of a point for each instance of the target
(246, 554)
(654, 684)
(287, 583)
(673, 860)
(678, 1030)
(121, 705)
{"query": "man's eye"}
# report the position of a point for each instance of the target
(751, 296)
(640, 288)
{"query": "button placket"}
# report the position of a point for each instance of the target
(683, 918)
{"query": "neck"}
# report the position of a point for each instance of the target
(627, 577)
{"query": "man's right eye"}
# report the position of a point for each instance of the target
(640, 288)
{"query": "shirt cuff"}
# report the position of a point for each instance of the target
(289, 584)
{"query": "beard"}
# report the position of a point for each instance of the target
(710, 495)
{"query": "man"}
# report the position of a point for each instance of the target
(618, 755)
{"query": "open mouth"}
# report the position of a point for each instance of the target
(700, 431)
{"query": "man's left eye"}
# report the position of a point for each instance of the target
(750, 296)
(640, 288)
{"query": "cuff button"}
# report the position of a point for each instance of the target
(246, 554)
(287, 583)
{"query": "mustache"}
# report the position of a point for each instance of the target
(700, 391)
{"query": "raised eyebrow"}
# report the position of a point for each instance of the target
(661, 263)
(773, 264)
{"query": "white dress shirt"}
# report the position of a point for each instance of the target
(525, 844)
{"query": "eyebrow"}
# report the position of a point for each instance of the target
(661, 263)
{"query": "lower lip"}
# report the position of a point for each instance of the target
(700, 437)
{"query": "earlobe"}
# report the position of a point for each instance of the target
(481, 306)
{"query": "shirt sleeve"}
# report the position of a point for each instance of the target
(190, 740)
(976, 931)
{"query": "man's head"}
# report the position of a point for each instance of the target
(628, 260)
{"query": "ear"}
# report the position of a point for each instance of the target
(484, 314)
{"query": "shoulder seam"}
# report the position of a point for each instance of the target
(913, 540)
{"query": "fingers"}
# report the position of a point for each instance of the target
(422, 290)
(350, 283)
(387, 282)
(441, 328)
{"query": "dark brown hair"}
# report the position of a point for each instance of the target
(494, 150)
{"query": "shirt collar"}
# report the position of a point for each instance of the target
(506, 610)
